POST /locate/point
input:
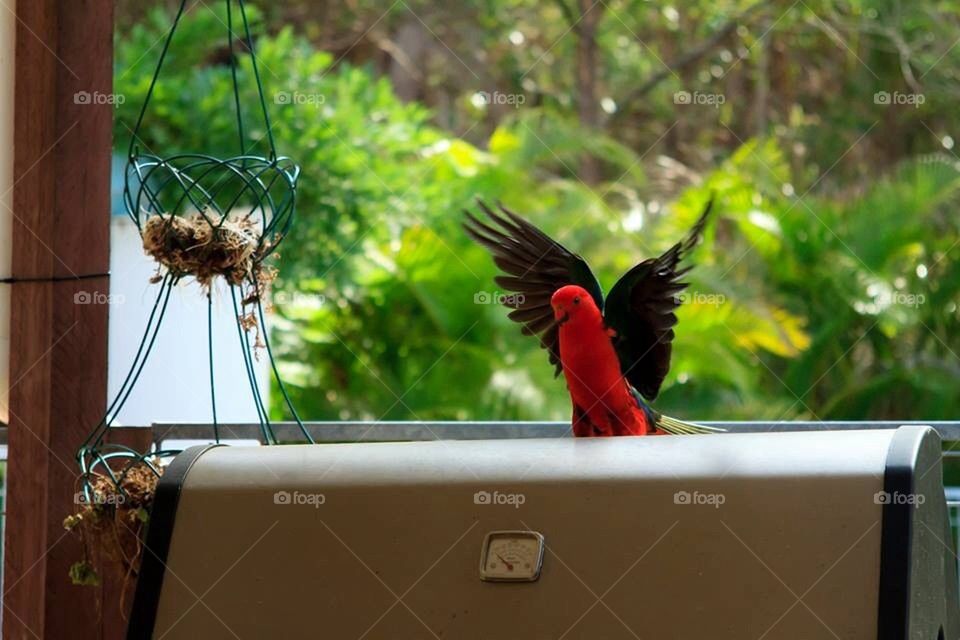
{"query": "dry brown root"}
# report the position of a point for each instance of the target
(207, 247)
(193, 245)
(111, 523)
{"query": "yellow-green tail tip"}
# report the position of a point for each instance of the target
(681, 428)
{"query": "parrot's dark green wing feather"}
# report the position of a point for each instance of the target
(535, 266)
(641, 310)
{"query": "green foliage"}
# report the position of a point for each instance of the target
(83, 574)
(837, 303)
(351, 136)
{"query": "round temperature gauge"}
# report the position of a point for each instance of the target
(511, 556)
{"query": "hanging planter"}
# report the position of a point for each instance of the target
(112, 523)
(207, 242)
(201, 217)
(204, 217)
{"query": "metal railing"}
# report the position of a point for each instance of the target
(433, 430)
(383, 431)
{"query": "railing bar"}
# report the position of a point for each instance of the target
(387, 431)
(330, 431)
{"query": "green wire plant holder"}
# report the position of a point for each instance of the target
(204, 217)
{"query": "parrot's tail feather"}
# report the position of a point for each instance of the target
(681, 428)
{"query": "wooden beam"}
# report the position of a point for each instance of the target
(61, 207)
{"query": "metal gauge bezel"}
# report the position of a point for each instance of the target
(529, 576)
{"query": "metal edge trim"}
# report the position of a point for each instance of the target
(896, 538)
(146, 600)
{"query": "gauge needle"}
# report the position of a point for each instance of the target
(507, 564)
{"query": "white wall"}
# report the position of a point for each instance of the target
(7, 34)
(174, 385)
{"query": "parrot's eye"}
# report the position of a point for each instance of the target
(576, 300)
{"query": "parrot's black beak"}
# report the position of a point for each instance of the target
(562, 319)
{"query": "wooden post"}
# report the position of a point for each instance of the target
(58, 377)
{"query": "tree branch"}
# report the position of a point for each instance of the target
(692, 56)
(572, 20)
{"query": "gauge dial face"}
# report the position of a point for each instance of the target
(510, 556)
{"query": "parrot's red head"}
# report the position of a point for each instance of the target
(572, 302)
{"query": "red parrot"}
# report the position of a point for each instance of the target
(613, 353)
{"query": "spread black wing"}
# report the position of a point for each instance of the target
(536, 266)
(640, 309)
